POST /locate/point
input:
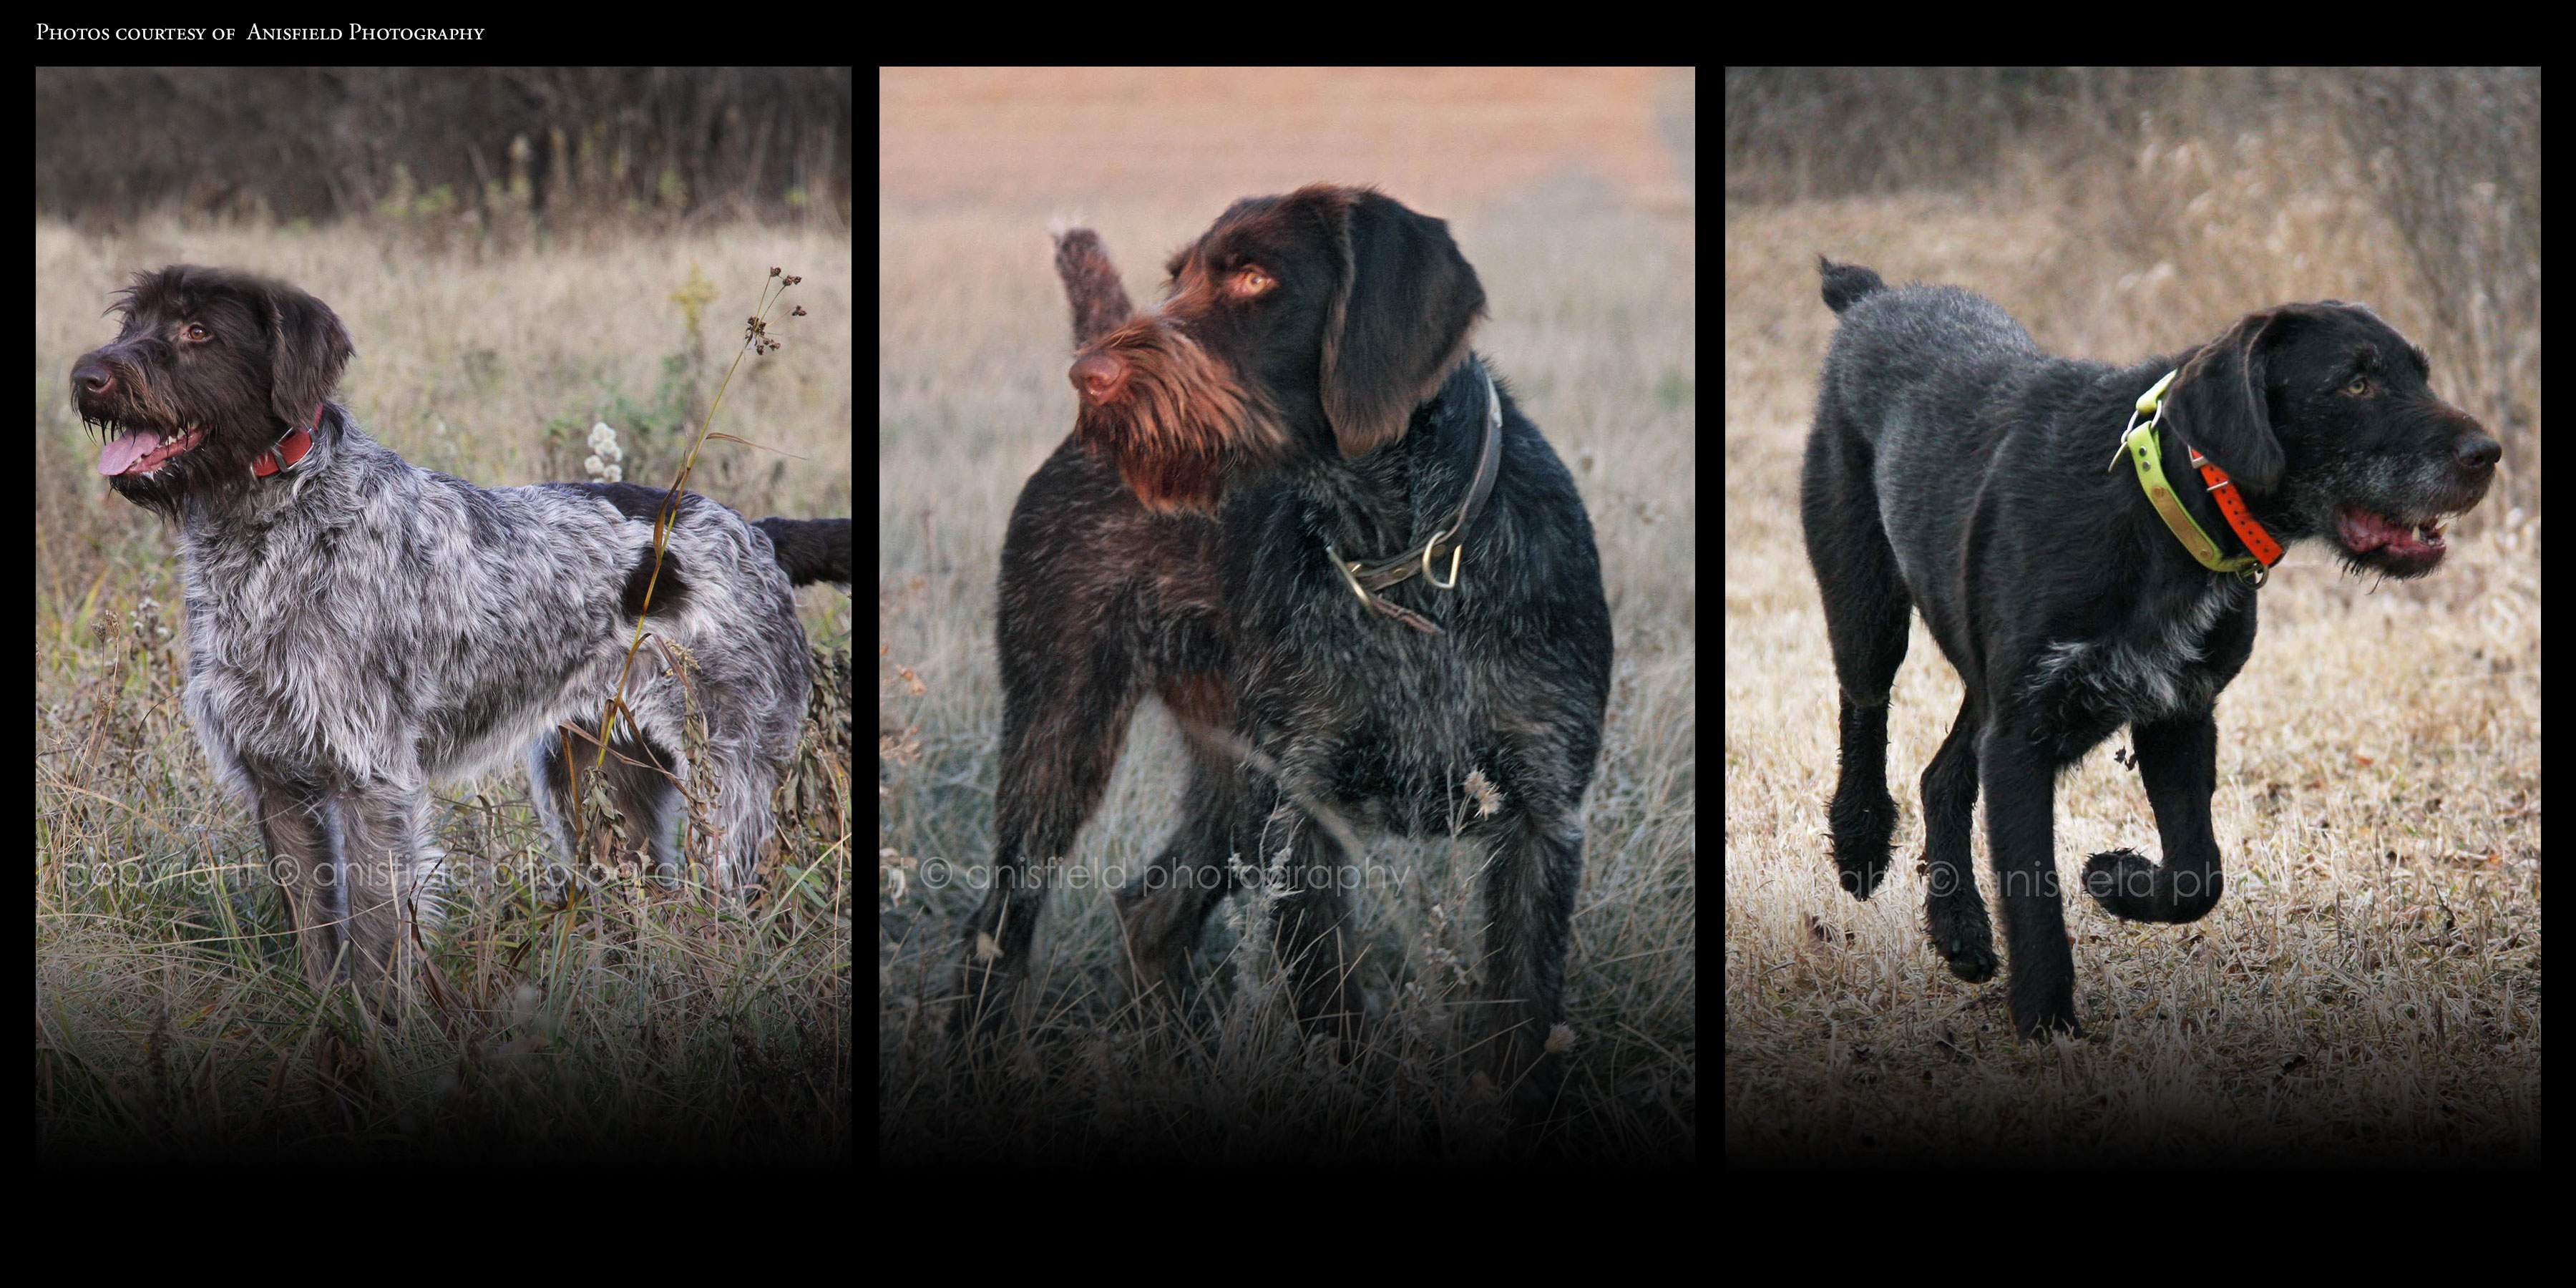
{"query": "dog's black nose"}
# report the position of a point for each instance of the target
(2476, 451)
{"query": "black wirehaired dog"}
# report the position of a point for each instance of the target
(1297, 509)
(1957, 469)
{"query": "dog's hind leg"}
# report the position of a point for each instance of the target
(1069, 685)
(1056, 761)
(1952, 908)
(1163, 910)
(2179, 760)
(1866, 610)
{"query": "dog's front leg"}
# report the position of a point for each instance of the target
(291, 830)
(1313, 934)
(1529, 915)
(2179, 760)
(379, 854)
(2021, 797)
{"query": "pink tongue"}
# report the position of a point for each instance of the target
(120, 456)
(2364, 532)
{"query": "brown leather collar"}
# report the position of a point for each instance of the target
(1366, 577)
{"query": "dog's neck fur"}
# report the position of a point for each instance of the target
(1408, 488)
(210, 512)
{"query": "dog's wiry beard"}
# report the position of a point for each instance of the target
(1181, 428)
(2401, 548)
(2362, 509)
(162, 462)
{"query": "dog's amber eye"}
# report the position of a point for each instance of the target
(195, 331)
(1252, 281)
(2360, 385)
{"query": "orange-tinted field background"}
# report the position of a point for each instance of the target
(1434, 137)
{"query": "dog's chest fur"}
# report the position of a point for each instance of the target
(2149, 666)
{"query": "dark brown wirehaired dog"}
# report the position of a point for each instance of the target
(1299, 510)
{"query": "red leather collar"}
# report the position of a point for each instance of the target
(289, 449)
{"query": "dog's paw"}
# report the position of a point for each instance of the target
(2122, 881)
(1974, 963)
(2046, 1024)
(1861, 873)
(2133, 887)
(1967, 943)
(1862, 827)
(2043, 995)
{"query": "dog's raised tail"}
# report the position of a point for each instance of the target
(810, 550)
(1847, 284)
(1091, 285)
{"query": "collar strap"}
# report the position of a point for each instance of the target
(2138, 442)
(1366, 578)
(290, 449)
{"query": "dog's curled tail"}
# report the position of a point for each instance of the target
(810, 550)
(1847, 284)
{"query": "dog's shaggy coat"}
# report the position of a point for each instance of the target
(1957, 469)
(359, 627)
(1263, 466)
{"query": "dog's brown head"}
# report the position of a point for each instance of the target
(210, 373)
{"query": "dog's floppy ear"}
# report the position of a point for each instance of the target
(2218, 401)
(312, 349)
(1400, 315)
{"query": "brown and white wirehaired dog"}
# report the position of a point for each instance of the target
(1300, 511)
(360, 628)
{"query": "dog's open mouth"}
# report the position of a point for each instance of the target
(2404, 548)
(141, 451)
